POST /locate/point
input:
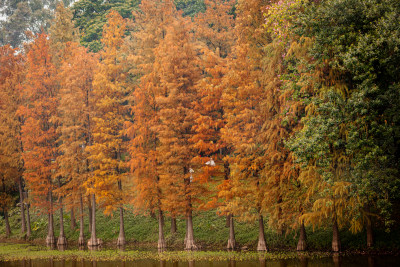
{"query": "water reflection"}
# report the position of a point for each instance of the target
(371, 261)
(336, 260)
(263, 262)
(282, 263)
(353, 261)
(303, 261)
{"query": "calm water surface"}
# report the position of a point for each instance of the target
(353, 261)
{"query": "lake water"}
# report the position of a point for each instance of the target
(346, 261)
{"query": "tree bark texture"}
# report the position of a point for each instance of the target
(73, 220)
(190, 245)
(62, 240)
(81, 240)
(261, 246)
(302, 244)
(173, 225)
(93, 241)
(370, 234)
(21, 198)
(231, 241)
(161, 240)
(121, 238)
(28, 221)
(50, 240)
(335, 237)
(90, 212)
(8, 228)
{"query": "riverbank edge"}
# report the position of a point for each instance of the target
(28, 251)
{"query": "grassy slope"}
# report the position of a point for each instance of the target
(210, 232)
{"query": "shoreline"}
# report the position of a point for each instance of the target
(29, 251)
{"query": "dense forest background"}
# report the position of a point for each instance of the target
(284, 113)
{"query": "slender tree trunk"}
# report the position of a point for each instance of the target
(50, 240)
(73, 220)
(21, 197)
(190, 245)
(335, 237)
(90, 212)
(302, 244)
(28, 221)
(161, 240)
(62, 241)
(370, 234)
(261, 246)
(81, 241)
(186, 232)
(173, 225)
(8, 228)
(93, 241)
(228, 221)
(121, 238)
(231, 240)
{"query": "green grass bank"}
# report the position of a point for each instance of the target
(210, 232)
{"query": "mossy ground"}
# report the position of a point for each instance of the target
(210, 231)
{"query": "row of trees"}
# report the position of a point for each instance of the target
(283, 109)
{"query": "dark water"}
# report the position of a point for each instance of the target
(353, 261)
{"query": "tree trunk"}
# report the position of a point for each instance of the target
(228, 221)
(90, 212)
(370, 234)
(73, 220)
(81, 240)
(8, 228)
(62, 241)
(50, 240)
(261, 246)
(302, 244)
(93, 241)
(335, 237)
(231, 240)
(190, 236)
(186, 232)
(21, 197)
(121, 238)
(173, 226)
(161, 240)
(28, 222)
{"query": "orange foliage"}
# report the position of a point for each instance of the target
(39, 133)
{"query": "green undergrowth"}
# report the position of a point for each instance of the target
(12, 252)
(210, 232)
